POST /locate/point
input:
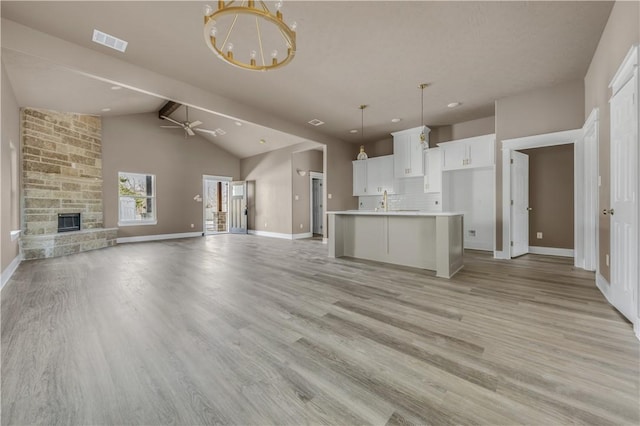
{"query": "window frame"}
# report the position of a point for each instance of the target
(153, 197)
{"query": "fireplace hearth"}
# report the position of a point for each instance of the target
(68, 222)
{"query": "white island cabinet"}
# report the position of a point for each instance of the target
(410, 238)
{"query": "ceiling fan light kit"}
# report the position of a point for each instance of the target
(247, 17)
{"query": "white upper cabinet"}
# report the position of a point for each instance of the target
(380, 175)
(360, 177)
(433, 170)
(467, 153)
(408, 152)
(373, 176)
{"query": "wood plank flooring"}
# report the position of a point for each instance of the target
(233, 329)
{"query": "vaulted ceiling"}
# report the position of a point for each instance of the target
(349, 53)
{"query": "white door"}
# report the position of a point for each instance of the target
(624, 199)
(519, 204)
(317, 206)
(238, 208)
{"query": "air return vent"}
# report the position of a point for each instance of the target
(109, 41)
(316, 122)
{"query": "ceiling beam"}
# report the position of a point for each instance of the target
(168, 108)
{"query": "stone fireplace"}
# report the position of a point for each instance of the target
(62, 184)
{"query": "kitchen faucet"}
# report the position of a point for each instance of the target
(384, 201)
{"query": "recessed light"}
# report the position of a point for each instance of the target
(316, 122)
(106, 109)
(262, 141)
(238, 123)
(116, 87)
(396, 120)
(109, 41)
(454, 104)
(353, 131)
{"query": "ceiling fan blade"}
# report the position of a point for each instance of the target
(172, 121)
(189, 131)
(212, 132)
(195, 124)
(171, 127)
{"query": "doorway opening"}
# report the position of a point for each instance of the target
(216, 204)
(582, 175)
(316, 182)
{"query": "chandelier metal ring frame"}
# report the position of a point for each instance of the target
(227, 8)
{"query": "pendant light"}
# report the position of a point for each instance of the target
(362, 155)
(423, 136)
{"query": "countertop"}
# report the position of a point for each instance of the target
(395, 213)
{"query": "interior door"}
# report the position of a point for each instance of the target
(519, 204)
(317, 206)
(624, 199)
(238, 208)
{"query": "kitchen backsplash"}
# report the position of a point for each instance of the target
(409, 196)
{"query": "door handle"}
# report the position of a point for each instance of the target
(529, 209)
(609, 211)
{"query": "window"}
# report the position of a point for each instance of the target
(136, 199)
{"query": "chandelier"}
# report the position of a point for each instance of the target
(239, 32)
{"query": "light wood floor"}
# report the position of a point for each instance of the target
(234, 329)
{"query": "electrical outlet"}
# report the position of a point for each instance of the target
(606, 259)
(192, 226)
(297, 197)
(265, 224)
(329, 196)
(301, 226)
(472, 232)
(539, 235)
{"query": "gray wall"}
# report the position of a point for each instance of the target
(438, 134)
(620, 33)
(271, 203)
(136, 143)
(308, 161)
(10, 182)
(551, 196)
(544, 110)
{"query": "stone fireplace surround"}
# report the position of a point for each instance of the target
(62, 173)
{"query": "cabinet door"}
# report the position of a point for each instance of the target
(360, 177)
(481, 153)
(380, 175)
(386, 174)
(433, 170)
(416, 166)
(454, 155)
(401, 155)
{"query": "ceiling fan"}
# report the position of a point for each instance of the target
(187, 126)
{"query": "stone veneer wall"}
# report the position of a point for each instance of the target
(62, 173)
(62, 169)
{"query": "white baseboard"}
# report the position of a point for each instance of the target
(9, 270)
(302, 236)
(478, 245)
(603, 286)
(157, 237)
(551, 251)
(498, 254)
(271, 234)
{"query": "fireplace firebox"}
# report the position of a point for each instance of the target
(68, 222)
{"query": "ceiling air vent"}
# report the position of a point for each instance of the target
(316, 122)
(109, 41)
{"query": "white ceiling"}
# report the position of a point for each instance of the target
(349, 53)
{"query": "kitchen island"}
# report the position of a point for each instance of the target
(427, 240)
